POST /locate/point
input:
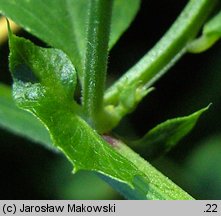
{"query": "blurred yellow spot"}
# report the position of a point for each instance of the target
(4, 29)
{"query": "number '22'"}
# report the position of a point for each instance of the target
(211, 208)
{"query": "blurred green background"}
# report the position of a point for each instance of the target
(29, 171)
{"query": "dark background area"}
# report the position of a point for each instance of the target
(29, 171)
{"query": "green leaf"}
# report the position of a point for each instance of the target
(32, 65)
(21, 122)
(55, 107)
(166, 135)
(62, 23)
(43, 85)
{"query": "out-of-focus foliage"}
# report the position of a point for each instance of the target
(203, 165)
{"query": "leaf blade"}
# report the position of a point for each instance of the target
(56, 109)
(166, 135)
(21, 122)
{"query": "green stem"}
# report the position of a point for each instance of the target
(166, 52)
(152, 185)
(96, 58)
